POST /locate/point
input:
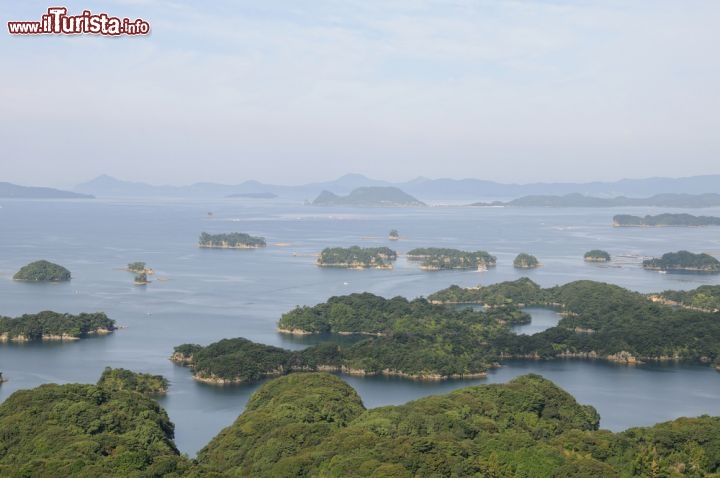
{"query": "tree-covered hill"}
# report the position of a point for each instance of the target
(42, 271)
(315, 425)
(86, 431)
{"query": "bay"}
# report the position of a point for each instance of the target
(201, 296)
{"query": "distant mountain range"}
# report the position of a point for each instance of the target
(9, 190)
(373, 196)
(426, 189)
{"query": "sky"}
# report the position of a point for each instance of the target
(291, 91)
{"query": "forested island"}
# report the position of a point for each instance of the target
(314, 424)
(233, 240)
(525, 261)
(597, 255)
(394, 235)
(42, 271)
(356, 257)
(598, 321)
(683, 261)
(371, 196)
(50, 325)
(664, 220)
(435, 259)
(413, 339)
(579, 200)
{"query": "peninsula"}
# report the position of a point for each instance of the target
(705, 298)
(600, 321)
(233, 240)
(49, 325)
(597, 255)
(42, 271)
(374, 196)
(9, 190)
(435, 259)
(525, 261)
(356, 257)
(664, 220)
(683, 261)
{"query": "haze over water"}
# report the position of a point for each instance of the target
(201, 296)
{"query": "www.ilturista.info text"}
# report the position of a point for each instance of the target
(58, 22)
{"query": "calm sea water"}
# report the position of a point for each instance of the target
(202, 295)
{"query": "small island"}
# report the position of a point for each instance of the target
(42, 271)
(141, 279)
(683, 261)
(665, 220)
(376, 196)
(525, 261)
(597, 255)
(49, 325)
(435, 259)
(356, 257)
(394, 235)
(233, 240)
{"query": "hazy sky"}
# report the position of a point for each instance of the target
(293, 91)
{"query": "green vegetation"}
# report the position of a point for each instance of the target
(683, 261)
(314, 424)
(599, 320)
(123, 379)
(521, 293)
(233, 240)
(86, 431)
(394, 235)
(374, 196)
(525, 261)
(357, 257)
(706, 298)
(579, 200)
(42, 271)
(597, 255)
(434, 258)
(408, 338)
(687, 220)
(53, 325)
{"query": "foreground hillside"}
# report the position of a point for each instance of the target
(315, 425)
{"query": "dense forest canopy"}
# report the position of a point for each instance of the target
(357, 257)
(683, 261)
(48, 323)
(87, 431)
(411, 338)
(42, 271)
(599, 320)
(435, 258)
(314, 424)
(231, 240)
